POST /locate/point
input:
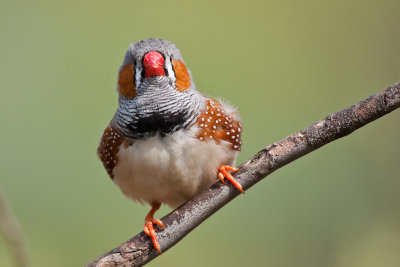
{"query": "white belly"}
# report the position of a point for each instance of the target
(170, 169)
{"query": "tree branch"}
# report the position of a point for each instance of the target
(139, 250)
(12, 231)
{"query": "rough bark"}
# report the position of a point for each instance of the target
(139, 250)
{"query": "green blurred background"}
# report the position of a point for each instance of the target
(284, 64)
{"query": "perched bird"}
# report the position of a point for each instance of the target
(167, 142)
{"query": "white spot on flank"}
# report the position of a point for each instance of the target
(228, 133)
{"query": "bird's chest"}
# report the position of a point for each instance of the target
(169, 169)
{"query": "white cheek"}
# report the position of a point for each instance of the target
(171, 73)
(138, 75)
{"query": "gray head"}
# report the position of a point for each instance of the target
(156, 91)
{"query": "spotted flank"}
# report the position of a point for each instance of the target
(108, 148)
(215, 123)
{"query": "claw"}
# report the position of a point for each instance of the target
(223, 172)
(158, 222)
(221, 177)
(149, 228)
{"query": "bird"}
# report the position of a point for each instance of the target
(167, 142)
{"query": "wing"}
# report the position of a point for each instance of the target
(220, 121)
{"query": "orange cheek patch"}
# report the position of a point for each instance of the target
(182, 75)
(126, 83)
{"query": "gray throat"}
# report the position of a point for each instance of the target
(158, 108)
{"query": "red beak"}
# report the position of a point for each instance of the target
(153, 63)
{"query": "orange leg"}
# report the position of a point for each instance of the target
(223, 173)
(148, 225)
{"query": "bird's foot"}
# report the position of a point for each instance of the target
(149, 226)
(223, 173)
